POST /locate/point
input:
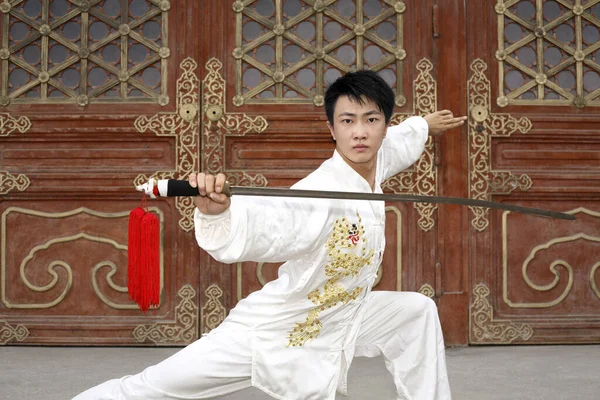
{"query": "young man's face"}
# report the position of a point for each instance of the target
(358, 130)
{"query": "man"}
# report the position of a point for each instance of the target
(295, 338)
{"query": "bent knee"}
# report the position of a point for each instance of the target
(420, 304)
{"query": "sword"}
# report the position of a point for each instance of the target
(173, 187)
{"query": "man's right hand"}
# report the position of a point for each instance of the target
(210, 201)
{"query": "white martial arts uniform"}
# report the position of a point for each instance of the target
(296, 337)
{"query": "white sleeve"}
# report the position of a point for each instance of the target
(263, 229)
(403, 145)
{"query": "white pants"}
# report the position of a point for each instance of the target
(402, 326)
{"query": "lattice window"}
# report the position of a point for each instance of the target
(288, 51)
(549, 52)
(83, 51)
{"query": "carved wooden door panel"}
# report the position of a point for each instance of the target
(533, 96)
(94, 96)
(263, 122)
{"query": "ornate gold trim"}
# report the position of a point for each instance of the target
(218, 124)
(427, 290)
(9, 332)
(213, 312)
(421, 179)
(51, 267)
(483, 126)
(183, 125)
(484, 329)
(9, 124)
(531, 256)
(593, 280)
(9, 182)
(183, 330)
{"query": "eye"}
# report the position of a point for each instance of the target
(347, 121)
(373, 120)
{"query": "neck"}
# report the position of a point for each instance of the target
(366, 170)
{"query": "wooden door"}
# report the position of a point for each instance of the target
(263, 124)
(95, 96)
(533, 96)
(99, 95)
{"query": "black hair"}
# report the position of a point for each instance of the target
(358, 86)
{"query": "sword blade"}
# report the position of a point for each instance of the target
(406, 198)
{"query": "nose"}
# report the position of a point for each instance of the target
(361, 131)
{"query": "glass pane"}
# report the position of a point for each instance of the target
(97, 77)
(331, 75)
(111, 53)
(346, 54)
(112, 7)
(265, 8)
(372, 55)
(292, 53)
(32, 8)
(18, 78)
(552, 56)
(151, 30)
(138, 53)
(551, 10)
(345, 8)
(32, 54)
(386, 31)
(332, 31)
(70, 78)
(372, 8)
(565, 33)
(291, 8)
(566, 80)
(389, 76)
(251, 30)
(137, 8)
(19, 31)
(58, 53)
(513, 32)
(591, 81)
(151, 77)
(252, 77)
(306, 31)
(514, 80)
(265, 54)
(71, 31)
(98, 31)
(58, 8)
(526, 10)
(590, 34)
(526, 56)
(306, 78)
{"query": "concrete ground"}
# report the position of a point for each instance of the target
(476, 373)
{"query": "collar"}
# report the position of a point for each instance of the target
(356, 181)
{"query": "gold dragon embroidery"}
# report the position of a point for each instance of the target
(341, 263)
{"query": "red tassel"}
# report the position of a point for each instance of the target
(150, 261)
(134, 252)
(143, 275)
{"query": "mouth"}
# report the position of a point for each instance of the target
(360, 147)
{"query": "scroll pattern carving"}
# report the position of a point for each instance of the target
(483, 125)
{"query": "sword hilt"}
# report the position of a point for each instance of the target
(174, 187)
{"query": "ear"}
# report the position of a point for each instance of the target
(331, 130)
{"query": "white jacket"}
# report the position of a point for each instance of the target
(304, 323)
